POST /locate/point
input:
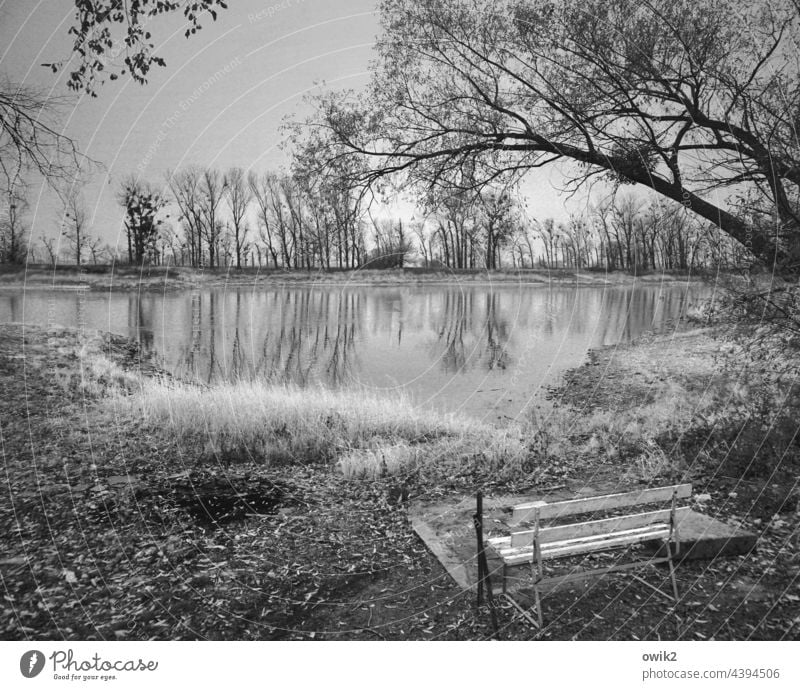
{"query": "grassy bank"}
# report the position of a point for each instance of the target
(140, 508)
(364, 436)
(361, 434)
(169, 278)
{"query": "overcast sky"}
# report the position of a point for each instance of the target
(220, 100)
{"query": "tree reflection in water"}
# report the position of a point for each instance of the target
(496, 335)
(457, 308)
(463, 326)
(285, 336)
(429, 340)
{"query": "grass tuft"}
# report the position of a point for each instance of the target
(361, 434)
(285, 422)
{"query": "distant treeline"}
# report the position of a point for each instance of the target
(203, 217)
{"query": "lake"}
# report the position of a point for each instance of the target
(486, 351)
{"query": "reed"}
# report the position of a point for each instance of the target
(286, 422)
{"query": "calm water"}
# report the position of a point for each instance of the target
(487, 351)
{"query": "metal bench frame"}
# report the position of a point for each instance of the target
(543, 543)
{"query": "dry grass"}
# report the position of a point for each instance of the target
(369, 436)
(610, 431)
(100, 375)
(481, 451)
(284, 422)
(366, 436)
(631, 437)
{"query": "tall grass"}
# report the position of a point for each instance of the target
(480, 452)
(365, 435)
(285, 422)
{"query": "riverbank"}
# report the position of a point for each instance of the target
(139, 509)
(170, 278)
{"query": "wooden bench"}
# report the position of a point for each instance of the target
(547, 538)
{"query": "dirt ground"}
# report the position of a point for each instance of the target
(113, 531)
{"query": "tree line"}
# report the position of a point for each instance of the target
(624, 232)
(237, 218)
(207, 218)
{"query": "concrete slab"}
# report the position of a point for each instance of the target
(447, 529)
(702, 538)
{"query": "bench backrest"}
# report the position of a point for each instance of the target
(616, 525)
(597, 504)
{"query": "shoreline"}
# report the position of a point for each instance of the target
(172, 278)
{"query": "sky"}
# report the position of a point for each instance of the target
(220, 101)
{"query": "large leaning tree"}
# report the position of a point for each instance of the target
(698, 101)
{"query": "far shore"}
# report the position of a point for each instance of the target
(98, 277)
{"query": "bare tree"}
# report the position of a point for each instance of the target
(13, 231)
(239, 195)
(527, 232)
(423, 240)
(30, 138)
(549, 234)
(96, 248)
(391, 244)
(185, 188)
(602, 214)
(292, 199)
(265, 191)
(500, 219)
(170, 240)
(211, 189)
(320, 169)
(624, 221)
(75, 224)
(456, 234)
(50, 245)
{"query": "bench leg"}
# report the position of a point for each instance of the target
(538, 602)
(490, 594)
(505, 574)
(477, 521)
(537, 552)
(672, 572)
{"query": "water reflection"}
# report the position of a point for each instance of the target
(471, 332)
(297, 336)
(438, 343)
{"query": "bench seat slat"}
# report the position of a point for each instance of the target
(515, 555)
(587, 529)
(503, 544)
(547, 511)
